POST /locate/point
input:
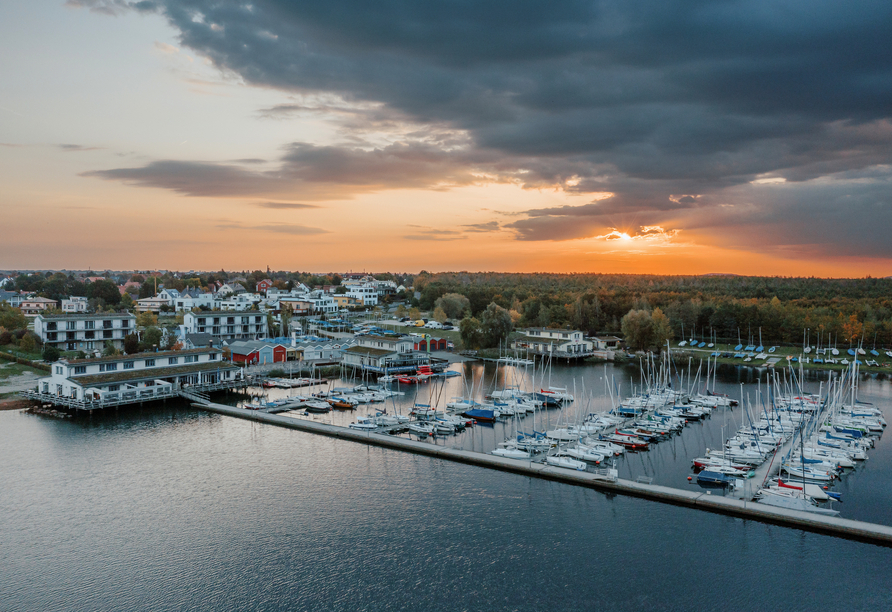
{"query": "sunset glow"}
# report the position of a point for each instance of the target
(133, 136)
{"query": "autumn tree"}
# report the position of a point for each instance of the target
(495, 325)
(453, 304)
(471, 334)
(637, 328)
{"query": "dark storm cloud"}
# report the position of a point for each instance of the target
(644, 99)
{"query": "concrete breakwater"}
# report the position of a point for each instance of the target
(844, 528)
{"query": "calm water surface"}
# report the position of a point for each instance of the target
(167, 508)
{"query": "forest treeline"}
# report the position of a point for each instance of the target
(841, 310)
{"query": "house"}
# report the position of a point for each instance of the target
(606, 343)
(232, 289)
(200, 340)
(84, 332)
(249, 352)
(345, 301)
(314, 302)
(385, 353)
(564, 343)
(13, 298)
(264, 286)
(168, 295)
(131, 286)
(226, 326)
(35, 305)
(194, 298)
(137, 377)
(75, 304)
(151, 304)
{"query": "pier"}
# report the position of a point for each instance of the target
(602, 481)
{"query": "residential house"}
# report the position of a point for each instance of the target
(75, 303)
(231, 289)
(84, 332)
(151, 304)
(264, 286)
(35, 305)
(200, 340)
(606, 343)
(564, 343)
(385, 353)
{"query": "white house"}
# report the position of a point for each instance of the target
(84, 332)
(168, 295)
(384, 354)
(558, 342)
(138, 377)
(196, 299)
(151, 304)
(231, 289)
(226, 325)
(75, 304)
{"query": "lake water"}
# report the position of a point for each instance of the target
(169, 508)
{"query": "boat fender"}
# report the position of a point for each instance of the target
(690, 478)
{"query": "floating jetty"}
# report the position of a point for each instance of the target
(602, 480)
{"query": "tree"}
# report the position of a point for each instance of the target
(29, 342)
(661, 329)
(127, 302)
(147, 289)
(414, 314)
(50, 354)
(453, 304)
(131, 344)
(471, 334)
(151, 338)
(340, 290)
(12, 318)
(495, 325)
(439, 315)
(401, 311)
(110, 350)
(146, 319)
(637, 328)
(106, 291)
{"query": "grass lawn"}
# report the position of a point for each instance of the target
(11, 368)
(14, 350)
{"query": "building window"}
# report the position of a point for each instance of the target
(191, 358)
(89, 324)
(128, 365)
(106, 333)
(89, 335)
(59, 370)
(172, 360)
(114, 387)
(106, 324)
(150, 363)
(51, 326)
(80, 369)
(212, 357)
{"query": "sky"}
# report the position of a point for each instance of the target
(640, 136)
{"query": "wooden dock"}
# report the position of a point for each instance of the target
(854, 530)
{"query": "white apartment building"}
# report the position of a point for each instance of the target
(226, 325)
(84, 332)
(367, 294)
